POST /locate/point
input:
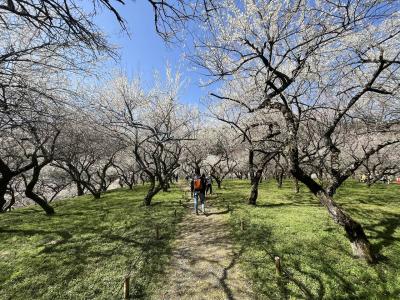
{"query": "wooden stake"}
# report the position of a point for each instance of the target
(241, 224)
(278, 265)
(126, 287)
(175, 213)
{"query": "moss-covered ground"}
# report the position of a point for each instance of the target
(316, 256)
(89, 245)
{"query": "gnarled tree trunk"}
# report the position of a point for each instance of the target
(42, 203)
(33, 196)
(152, 191)
(355, 233)
(255, 180)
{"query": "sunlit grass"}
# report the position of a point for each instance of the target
(86, 249)
(316, 256)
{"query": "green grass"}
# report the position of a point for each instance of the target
(316, 255)
(86, 249)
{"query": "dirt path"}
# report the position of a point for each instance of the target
(204, 260)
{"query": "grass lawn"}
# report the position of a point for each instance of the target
(316, 255)
(86, 249)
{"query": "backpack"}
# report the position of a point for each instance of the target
(197, 184)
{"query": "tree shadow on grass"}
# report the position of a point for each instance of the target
(383, 233)
(49, 246)
(223, 280)
(221, 212)
(315, 271)
(93, 236)
(302, 277)
(380, 228)
(272, 205)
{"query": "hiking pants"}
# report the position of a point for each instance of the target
(196, 196)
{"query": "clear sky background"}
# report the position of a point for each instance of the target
(143, 51)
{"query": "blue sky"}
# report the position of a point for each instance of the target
(143, 51)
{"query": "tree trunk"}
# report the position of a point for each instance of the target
(33, 196)
(96, 195)
(152, 191)
(133, 180)
(4, 181)
(142, 178)
(166, 186)
(355, 233)
(120, 183)
(2, 199)
(12, 201)
(79, 189)
(218, 183)
(296, 186)
(10, 205)
(197, 169)
(254, 188)
(279, 178)
(369, 182)
(149, 197)
(43, 204)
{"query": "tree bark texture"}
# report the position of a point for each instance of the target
(355, 233)
(151, 192)
(33, 196)
(79, 189)
(255, 180)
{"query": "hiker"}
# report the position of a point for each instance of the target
(208, 185)
(198, 188)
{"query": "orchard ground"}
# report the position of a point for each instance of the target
(87, 248)
(89, 245)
